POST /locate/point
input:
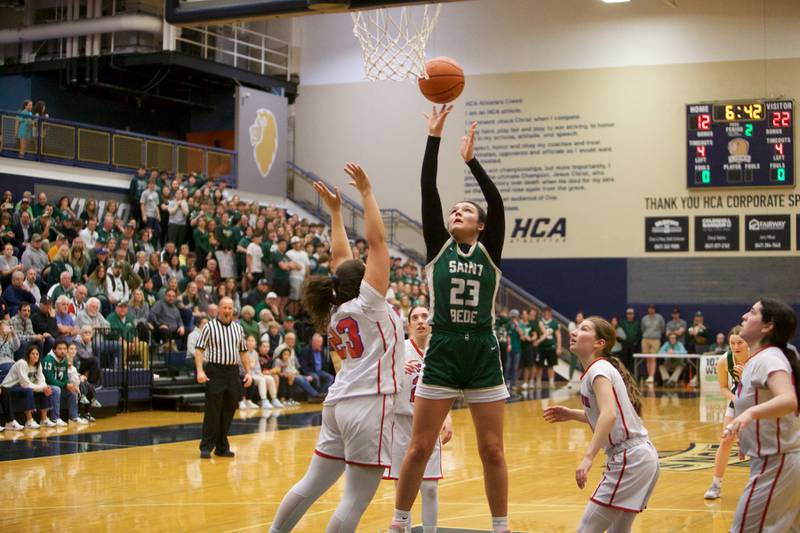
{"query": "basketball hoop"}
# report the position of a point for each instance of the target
(393, 45)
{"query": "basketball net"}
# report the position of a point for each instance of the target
(393, 46)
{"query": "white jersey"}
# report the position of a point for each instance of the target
(413, 356)
(628, 425)
(364, 332)
(771, 436)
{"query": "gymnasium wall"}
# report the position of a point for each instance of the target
(594, 97)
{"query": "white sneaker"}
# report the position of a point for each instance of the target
(31, 424)
(552, 383)
(79, 420)
(60, 423)
(14, 426)
(276, 403)
(251, 404)
(84, 400)
(524, 385)
(650, 380)
(242, 405)
(2, 429)
(97, 404)
(266, 405)
(713, 492)
(47, 423)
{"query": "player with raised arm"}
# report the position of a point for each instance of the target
(358, 412)
(463, 356)
(419, 332)
(767, 421)
(611, 407)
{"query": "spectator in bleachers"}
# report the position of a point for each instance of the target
(697, 335)
(9, 344)
(78, 261)
(15, 294)
(677, 326)
(91, 316)
(271, 304)
(653, 327)
(40, 206)
(68, 230)
(671, 369)
(96, 285)
(79, 298)
(194, 336)
(25, 379)
(281, 266)
(59, 264)
(616, 350)
(45, 324)
(24, 126)
(62, 288)
(64, 210)
(633, 336)
(720, 345)
(286, 365)
(107, 230)
(66, 322)
(30, 285)
(301, 266)
(87, 392)
(23, 327)
(161, 277)
(313, 362)
(137, 187)
(89, 234)
(166, 318)
(101, 258)
(141, 268)
(9, 264)
(89, 363)
(34, 256)
(266, 383)
(248, 322)
(149, 204)
(116, 287)
(55, 369)
(124, 332)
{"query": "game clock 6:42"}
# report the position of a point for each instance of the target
(740, 144)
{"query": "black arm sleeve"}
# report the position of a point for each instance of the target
(495, 230)
(433, 228)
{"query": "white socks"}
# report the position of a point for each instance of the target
(500, 524)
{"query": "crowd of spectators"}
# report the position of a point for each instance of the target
(123, 282)
(521, 335)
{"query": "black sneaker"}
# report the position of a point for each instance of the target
(205, 454)
(226, 453)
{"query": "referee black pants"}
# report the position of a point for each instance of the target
(223, 392)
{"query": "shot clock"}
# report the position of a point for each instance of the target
(740, 144)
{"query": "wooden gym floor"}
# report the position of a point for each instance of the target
(141, 472)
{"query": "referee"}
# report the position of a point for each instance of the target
(219, 343)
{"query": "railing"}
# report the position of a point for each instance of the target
(84, 145)
(240, 47)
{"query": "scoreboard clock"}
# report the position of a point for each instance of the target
(740, 144)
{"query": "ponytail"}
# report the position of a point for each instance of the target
(784, 325)
(320, 293)
(634, 395)
(318, 296)
(605, 331)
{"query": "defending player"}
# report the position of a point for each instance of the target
(463, 355)
(419, 331)
(729, 370)
(767, 422)
(358, 413)
(611, 407)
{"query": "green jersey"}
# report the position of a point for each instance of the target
(463, 287)
(547, 329)
(55, 371)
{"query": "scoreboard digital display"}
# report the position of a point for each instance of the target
(740, 144)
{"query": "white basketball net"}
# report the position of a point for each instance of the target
(393, 46)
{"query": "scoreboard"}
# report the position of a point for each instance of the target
(740, 144)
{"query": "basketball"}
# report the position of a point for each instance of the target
(445, 80)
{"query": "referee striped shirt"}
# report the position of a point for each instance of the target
(222, 342)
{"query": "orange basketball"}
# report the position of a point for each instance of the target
(445, 80)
